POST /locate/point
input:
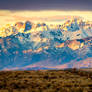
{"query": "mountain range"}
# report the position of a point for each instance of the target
(29, 46)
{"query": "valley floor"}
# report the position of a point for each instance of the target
(46, 81)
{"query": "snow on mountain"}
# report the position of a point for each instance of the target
(24, 45)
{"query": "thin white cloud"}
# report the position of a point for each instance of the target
(7, 16)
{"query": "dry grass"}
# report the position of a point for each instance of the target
(45, 81)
